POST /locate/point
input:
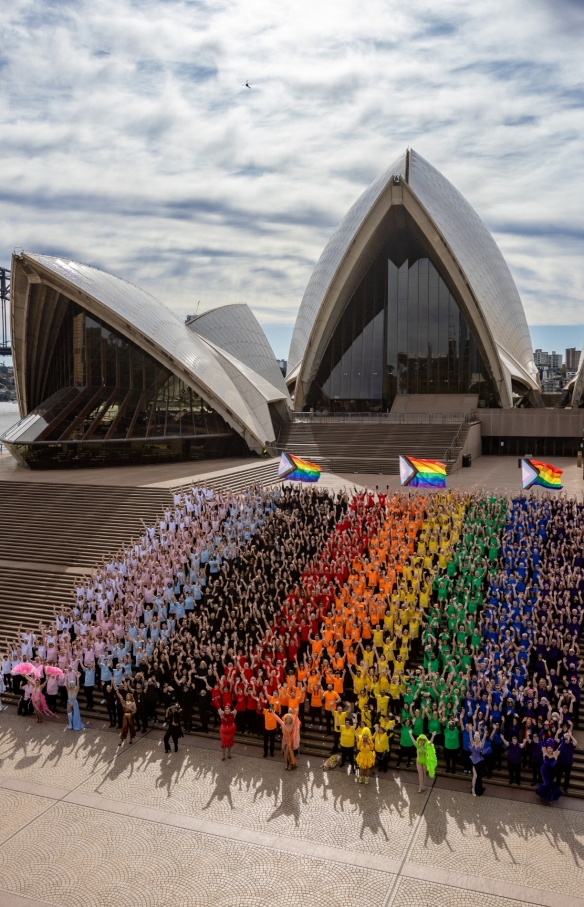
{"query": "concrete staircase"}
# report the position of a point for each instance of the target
(238, 478)
(51, 533)
(371, 447)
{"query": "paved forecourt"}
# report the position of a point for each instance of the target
(500, 475)
(84, 826)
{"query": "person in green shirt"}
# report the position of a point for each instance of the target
(418, 722)
(435, 727)
(407, 748)
(451, 745)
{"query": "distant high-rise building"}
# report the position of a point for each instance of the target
(572, 358)
(556, 359)
(547, 360)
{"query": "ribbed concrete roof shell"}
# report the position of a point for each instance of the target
(158, 330)
(236, 330)
(471, 248)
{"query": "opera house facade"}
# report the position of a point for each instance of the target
(410, 296)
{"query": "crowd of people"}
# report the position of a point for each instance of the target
(279, 609)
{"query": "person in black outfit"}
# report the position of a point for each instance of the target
(186, 701)
(111, 702)
(204, 703)
(141, 717)
(174, 729)
(24, 705)
(151, 695)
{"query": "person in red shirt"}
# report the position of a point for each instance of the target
(240, 708)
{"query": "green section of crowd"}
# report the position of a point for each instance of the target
(451, 637)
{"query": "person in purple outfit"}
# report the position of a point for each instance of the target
(548, 790)
(567, 745)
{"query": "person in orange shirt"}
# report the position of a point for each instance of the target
(366, 629)
(338, 663)
(330, 697)
(317, 644)
(295, 699)
(339, 682)
(300, 670)
(316, 694)
(270, 729)
(284, 698)
(274, 701)
(347, 643)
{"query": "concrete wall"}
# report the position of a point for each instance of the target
(472, 445)
(435, 403)
(532, 423)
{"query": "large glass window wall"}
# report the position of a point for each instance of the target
(109, 402)
(402, 332)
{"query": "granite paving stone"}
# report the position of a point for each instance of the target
(329, 808)
(100, 860)
(17, 810)
(521, 843)
(48, 753)
(415, 893)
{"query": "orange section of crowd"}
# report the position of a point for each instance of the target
(366, 629)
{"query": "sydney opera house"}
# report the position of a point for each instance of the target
(411, 296)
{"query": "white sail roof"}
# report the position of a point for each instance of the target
(162, 333)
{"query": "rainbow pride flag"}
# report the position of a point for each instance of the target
(533, 472)
(417, 473)
(296, 469)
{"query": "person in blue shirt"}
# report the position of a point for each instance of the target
(89, 683)
(105, 669)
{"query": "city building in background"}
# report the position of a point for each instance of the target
(7, 386)
(572, 359)
(552, 371)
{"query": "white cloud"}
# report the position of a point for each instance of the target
(129, 140)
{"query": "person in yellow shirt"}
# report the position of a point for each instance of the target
(381, 743)
(339, 717)
(367, 715)
(399, 664)
(368, 654)
(382, 682)
(387, 723)
(366, 755)
(382, 700)
(382, 664)
(378, 638)
(362, 700)
(359, 679)
(389, 649)
(347, 741)
(395, 689)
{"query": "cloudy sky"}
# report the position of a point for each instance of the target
(130, 142)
